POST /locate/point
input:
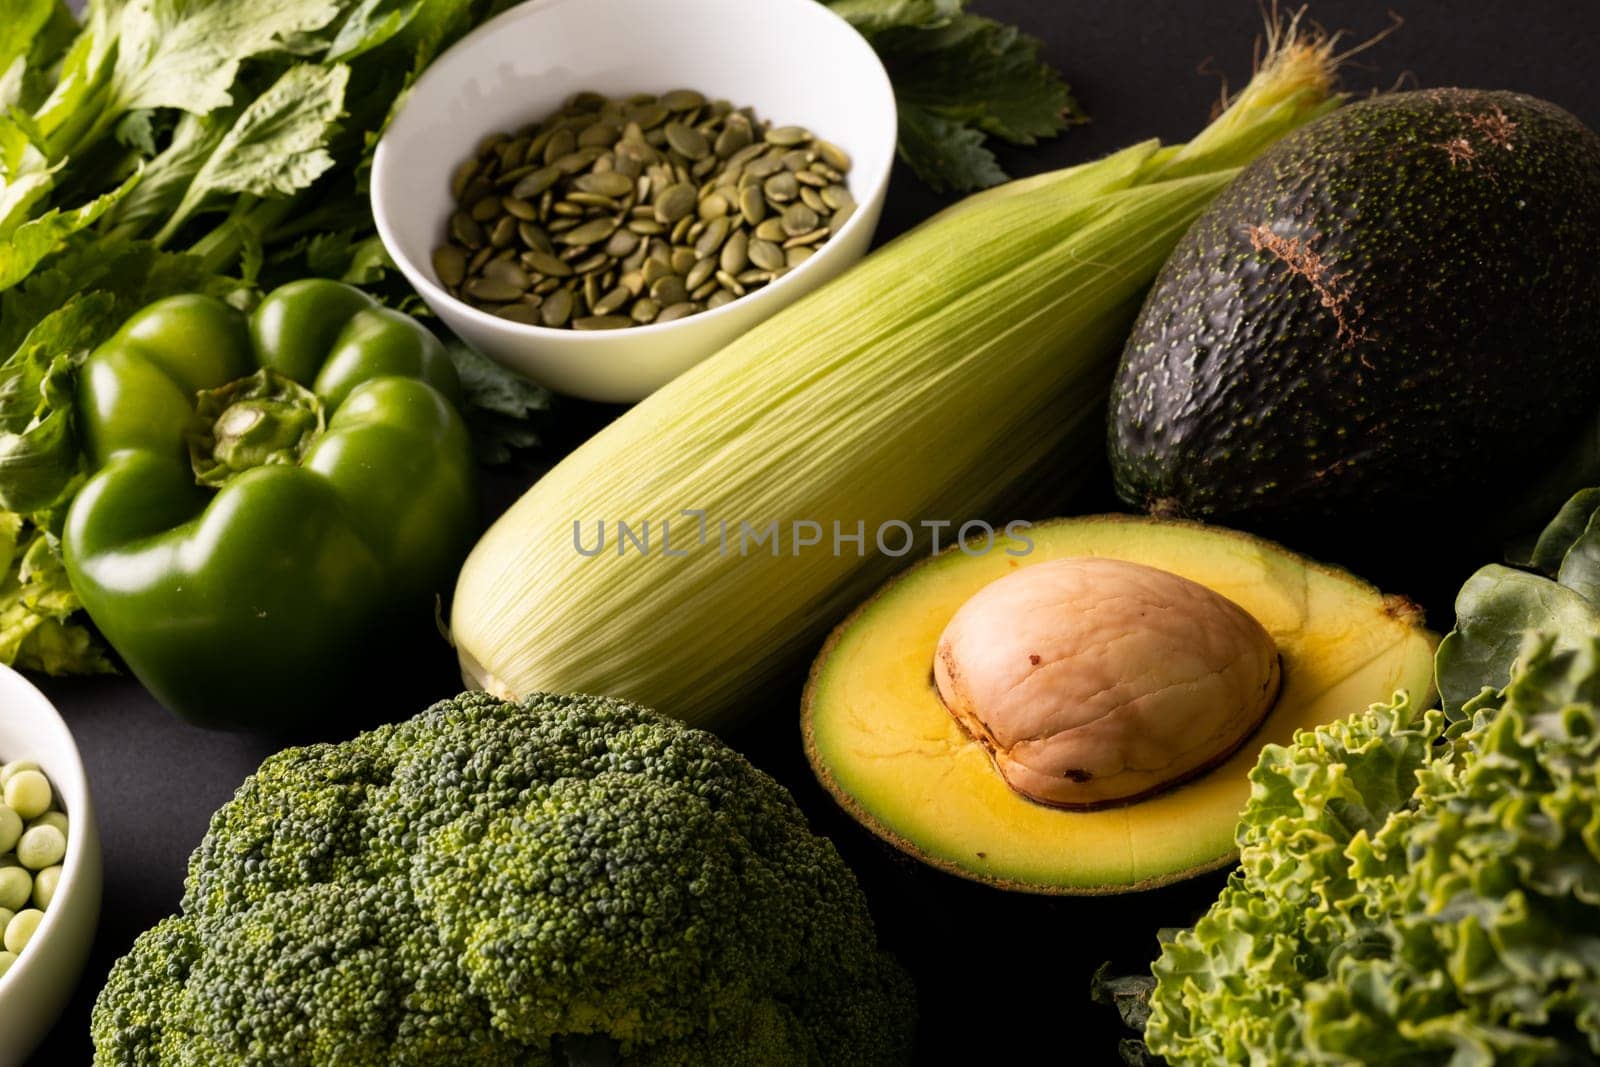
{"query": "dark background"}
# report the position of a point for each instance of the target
(1001, 976)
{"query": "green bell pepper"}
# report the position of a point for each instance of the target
(273, 497)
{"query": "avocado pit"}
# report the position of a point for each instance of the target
(1095, 681)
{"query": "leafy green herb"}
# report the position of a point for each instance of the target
(960, 79)
(499, 405)
(1499, 606)
(37, 604)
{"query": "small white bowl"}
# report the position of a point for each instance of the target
(40, 983)
(794, 61)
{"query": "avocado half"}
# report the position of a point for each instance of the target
(882, 742)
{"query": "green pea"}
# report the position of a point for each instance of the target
(10, 828)
(58, 819)
(19, 931)
(41, 847)
(44, 886)
(28, 793)
(16, 886)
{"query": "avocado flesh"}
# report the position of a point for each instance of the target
(1394, 309)
(884, 745)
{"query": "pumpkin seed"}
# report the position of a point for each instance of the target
(628, 164)
(520, 208)
(669, 290)
(534, 238)
(731, 139)
(548, 265)
(463, 174)
(655, 269)
(601, 322)
(687, 141)
(788, 135)
(622, 211)
(765, 166)
(831, 154)
(752, 205)
(573, 162)
(780, 188)
(647, 116)
(535, 150)
(534, 184)
(527, 314)
(489, 289)
(612, 301)
(602, 134)
(729, 282)
(486, 210)
(674, 202)
(466, 231)
(714, 206)
(746, 154)
(711, 237)
(765, 254)
(449, 265)
(595, 200)
(621, 243)
(799, 219)
(504, 232)
(676, 311)
(606, 183)
(507, 272)
(735, 253)
(557, 308)
(799, 240)
(699, 273)
(682, 100)
(588, 233)
(561, 141)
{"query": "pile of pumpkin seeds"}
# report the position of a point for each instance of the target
(624, 212)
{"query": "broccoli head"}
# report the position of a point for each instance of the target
(569, 880)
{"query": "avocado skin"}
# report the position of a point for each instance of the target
(1396, 308)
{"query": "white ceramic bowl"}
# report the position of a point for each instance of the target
(794, 61)
(40, 983)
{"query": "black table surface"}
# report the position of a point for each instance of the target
(1001, 976)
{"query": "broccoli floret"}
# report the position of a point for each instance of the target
(569, 880)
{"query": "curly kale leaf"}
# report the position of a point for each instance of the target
(1410, 893)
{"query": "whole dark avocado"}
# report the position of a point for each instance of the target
(1394, 309)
